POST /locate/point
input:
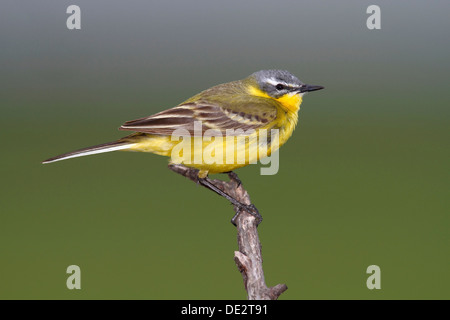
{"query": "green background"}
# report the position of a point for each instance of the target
(364, 180)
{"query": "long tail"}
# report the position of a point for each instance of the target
(104, 147)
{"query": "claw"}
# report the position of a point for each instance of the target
(206, 182)
(254, 212)
(250, 209)
(234, 177)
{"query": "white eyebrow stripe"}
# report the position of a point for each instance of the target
(274, 82)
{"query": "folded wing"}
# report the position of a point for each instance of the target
(211, 116)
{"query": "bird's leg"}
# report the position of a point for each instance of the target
(234, 177)
(250, 209)
(206, 182)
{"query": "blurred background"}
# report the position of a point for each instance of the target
(364, 180)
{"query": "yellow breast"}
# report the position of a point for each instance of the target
(287, 116)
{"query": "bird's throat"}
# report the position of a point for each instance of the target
(289, 102)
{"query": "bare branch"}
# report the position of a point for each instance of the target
(248, 259)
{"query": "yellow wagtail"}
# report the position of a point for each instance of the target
(266, 100)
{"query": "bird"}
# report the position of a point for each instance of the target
(266, 100)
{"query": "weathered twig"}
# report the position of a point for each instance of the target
(248, 259)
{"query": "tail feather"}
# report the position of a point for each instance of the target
(101, 148)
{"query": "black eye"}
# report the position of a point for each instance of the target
(279, 86)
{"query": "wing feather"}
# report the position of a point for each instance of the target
(211, 115)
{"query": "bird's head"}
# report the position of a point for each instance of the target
(280, 85)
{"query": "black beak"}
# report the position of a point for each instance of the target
(309, 88)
